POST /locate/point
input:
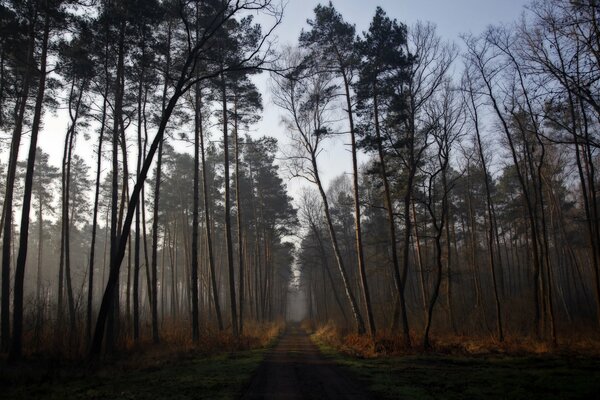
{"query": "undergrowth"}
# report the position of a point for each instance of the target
(175, 341)
(386, 343)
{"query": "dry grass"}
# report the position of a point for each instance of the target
(175, 343)
(387, 343)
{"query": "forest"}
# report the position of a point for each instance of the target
(469, 215)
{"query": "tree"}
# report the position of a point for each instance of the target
(447, 120)
(77, 68)
(16, 343)
(473, 110)
(381, 71)
(331, 41)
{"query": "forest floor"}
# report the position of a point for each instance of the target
(433, 376)
(222, 376)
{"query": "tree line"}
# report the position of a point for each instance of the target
(476, 212)
(144, 238)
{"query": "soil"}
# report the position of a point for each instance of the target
(296, 369)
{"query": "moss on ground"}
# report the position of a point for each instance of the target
(223, 376)
(455, 377)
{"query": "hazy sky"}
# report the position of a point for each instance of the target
(452, 18)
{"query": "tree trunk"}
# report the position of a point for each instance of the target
(240, 238)
(358, 319)
(228, 240)
(391, 225)
(195, 222)
(491, 231)
(362, 269)
(16, 343)
(114, 230)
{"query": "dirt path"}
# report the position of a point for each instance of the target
(295, 369)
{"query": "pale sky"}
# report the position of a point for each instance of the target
(452, 18)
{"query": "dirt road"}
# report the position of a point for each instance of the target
(295, 369)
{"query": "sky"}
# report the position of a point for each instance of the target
(452, 17)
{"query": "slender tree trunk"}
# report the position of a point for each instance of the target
(95, 220)
(491, 231)
(66, 188)
(195, 222)
(136, 256)
(38, 287)
(154, 296)
(16, 343)
(391, 224)
(438, 261)
(114, 223)
(240, 238)
(362, 269)
(228, 240)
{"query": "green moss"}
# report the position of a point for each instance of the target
(219, 377)
(454, 377)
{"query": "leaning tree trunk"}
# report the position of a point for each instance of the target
(358, 319)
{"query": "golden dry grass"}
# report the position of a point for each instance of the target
(175, 342)
(387, 343)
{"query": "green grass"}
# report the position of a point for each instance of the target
(455, 377)
(223, 376)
